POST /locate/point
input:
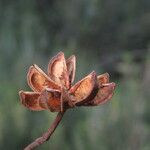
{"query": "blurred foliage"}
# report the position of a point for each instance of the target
(105, 35)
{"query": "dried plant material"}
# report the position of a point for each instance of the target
(30, 100)
(55, 92)
(57, 70)
(103, 78)
(104, 94)
(71, 67)
(38, 80)
(51, 98)
(82, 91)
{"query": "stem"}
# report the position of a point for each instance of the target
(46, 136)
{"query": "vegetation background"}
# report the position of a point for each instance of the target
(107, 36)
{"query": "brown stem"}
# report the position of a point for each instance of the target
(46, 136)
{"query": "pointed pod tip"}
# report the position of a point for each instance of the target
(34, 65)
(93, 73)
(58, 56)
(72, 57)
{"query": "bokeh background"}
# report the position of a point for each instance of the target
(105, 35)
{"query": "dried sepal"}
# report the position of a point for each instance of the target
(38, 80)
(84, 90)
(30, 100)
(103, 78)
(71, 67)
(104, 94)
(51, 99)
(57, 70)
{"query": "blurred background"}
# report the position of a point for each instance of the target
(105, 35)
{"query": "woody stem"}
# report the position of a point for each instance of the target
(46, 136)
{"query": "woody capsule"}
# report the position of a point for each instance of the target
(56, 92)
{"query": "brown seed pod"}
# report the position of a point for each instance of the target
(30, 100)
(57, 70)
(83, 91)
(55, 92)
(38, 80)
(71, 67)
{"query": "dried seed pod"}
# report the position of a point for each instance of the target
(51, 98)
(54, 92)
(71, 67)
(38, 80)
(104, 94)
(84, 90)
(57, 70)
(30, 100)
(103, 78)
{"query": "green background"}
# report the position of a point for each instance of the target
(106, 36)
